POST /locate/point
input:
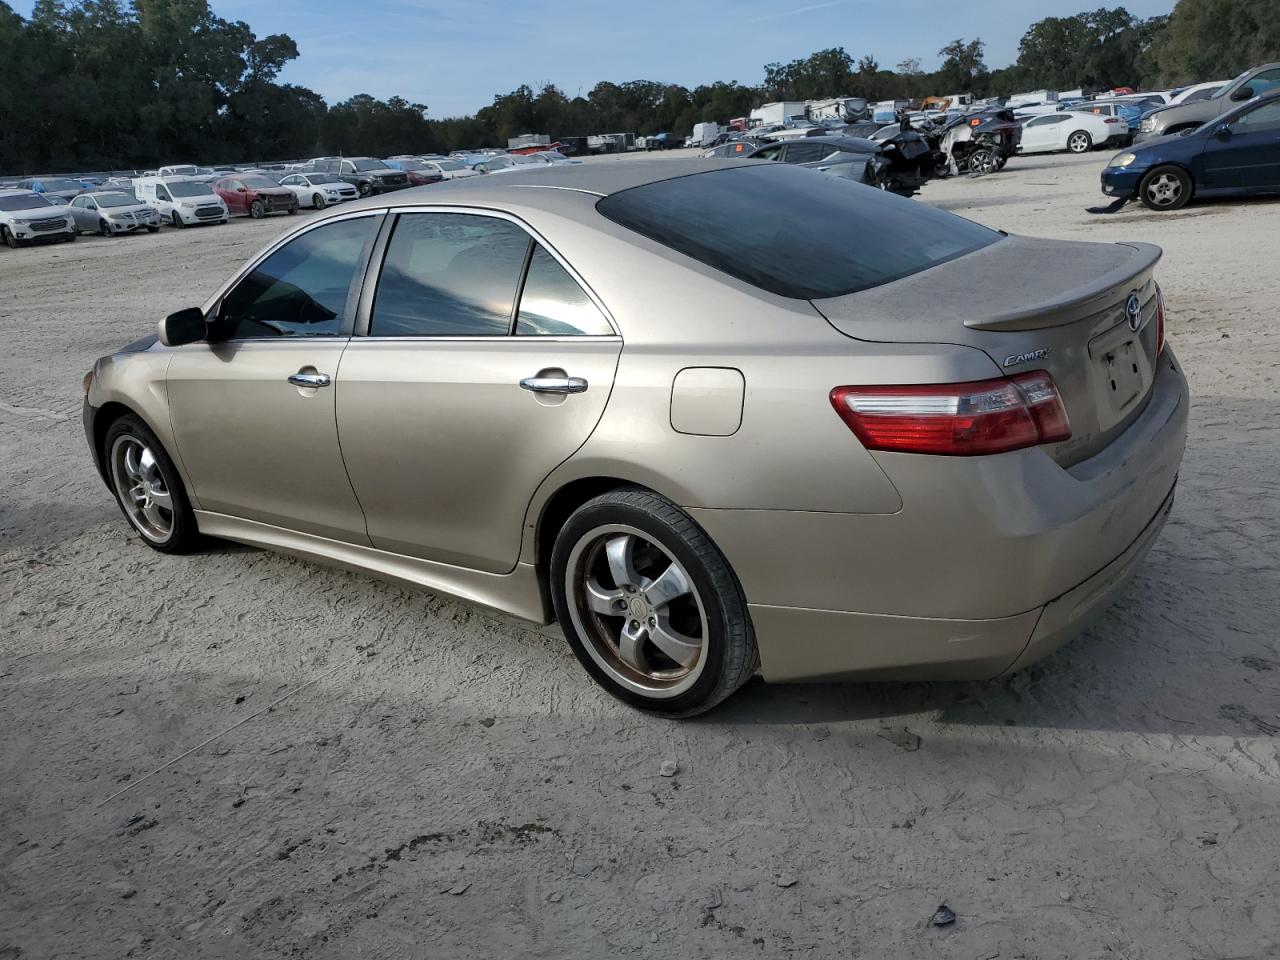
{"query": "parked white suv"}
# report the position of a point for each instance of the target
(181, 201)
(26, 217)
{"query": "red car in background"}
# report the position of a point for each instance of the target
(255, 195)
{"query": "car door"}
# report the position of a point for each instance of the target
(486, 364)
(805, 152)
(81, 214)
(234, 193)
(253, 410)
(1042, 133)
(1244, 153)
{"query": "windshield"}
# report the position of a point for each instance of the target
(369, 164)
(115, 200)
(317, 178)
(183, 170)
(61, 185)
(411, 165)
(854, 237)
(28, 202)
(191, 189)
(259, 183)
(449, 165)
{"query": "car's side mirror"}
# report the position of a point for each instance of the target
(1222, 132)
(241, 190)
(1244, 93)
(185, 326)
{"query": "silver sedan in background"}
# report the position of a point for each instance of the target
(715, 417)
(112, 213)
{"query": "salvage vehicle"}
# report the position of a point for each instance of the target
(55, 188)
(27, 217)
(1237, 154)
(180, 201)
(901, 164)
(319, 190)
(790, 468)
(369, 176)
(1187, 116)
(450, 169)
(976, 143)
(112, 213)
(1072, 132)
(255, 195)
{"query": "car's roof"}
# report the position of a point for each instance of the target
(17, 191)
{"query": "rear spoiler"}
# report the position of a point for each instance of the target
(1089, 298)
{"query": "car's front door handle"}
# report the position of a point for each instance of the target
(310, 379)
(554, 384)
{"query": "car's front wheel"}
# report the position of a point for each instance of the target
(1080, 142)
(365, 189)
(7, 236)
(257, 210)
(177, 220)
(317, 201)
(1165, 188)
(147, 486)
(649, 604)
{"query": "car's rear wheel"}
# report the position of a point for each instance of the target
(982, 161)
(317, 201)
(1080, 142)
(1165, 188)
(649, 605)
(147, 486)
(257, 210)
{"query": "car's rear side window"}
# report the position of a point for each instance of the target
(794, 232)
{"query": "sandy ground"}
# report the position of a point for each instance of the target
(318, 765)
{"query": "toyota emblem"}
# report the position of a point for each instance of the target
(1133, 310)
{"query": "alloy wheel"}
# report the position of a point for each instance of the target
(1164, 190)
(638, 610)
(143, 493)
(1078, 143)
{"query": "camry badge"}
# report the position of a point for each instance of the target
(1017, 358)
(1133, 310)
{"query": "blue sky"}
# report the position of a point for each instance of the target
(455, 55)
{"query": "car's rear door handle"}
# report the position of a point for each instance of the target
(554, 384)
(309, 379)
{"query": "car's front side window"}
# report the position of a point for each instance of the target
(1266, 80)
(1263, 119)
(301, 289)
(449, 275)
(553, 304)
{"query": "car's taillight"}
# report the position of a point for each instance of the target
(956, 419)
(1112, 120)
(1159, 320)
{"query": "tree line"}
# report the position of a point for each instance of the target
(107, 84)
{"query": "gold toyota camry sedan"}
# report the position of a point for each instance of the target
(716, 418)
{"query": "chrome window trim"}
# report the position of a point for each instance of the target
(374, 273)
(345, 330)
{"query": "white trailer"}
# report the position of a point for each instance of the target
(778, 112)
(704, 134)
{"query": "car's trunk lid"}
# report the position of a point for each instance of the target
(1029, 304)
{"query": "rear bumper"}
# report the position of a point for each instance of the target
(984, 554)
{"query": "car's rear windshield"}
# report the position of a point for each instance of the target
(259, 183)
(795, 232)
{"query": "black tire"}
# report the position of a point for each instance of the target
(728, 655)
(104, 228)
(1079, 141)
(184, 536)
(153, 229)
(317, 202)
(71, 237)
(257, 210)
(981, 162)
(292, 209)
(10, 240)
(1165, 188)
(177, 220)
(365, 188)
